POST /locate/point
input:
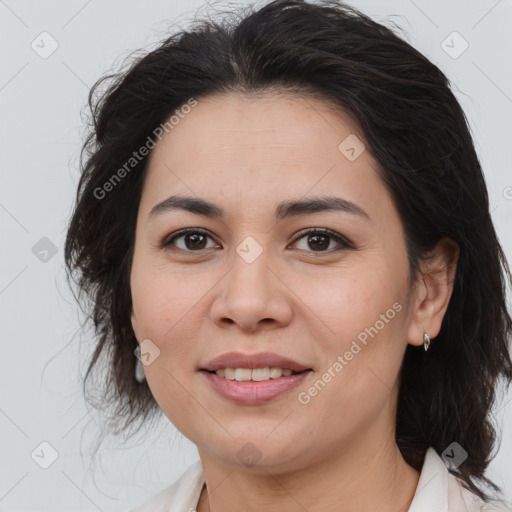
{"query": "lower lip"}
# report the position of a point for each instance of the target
(250, 392)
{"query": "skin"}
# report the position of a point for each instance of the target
(247, 154)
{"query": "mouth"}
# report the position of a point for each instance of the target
(235, 386)
(253, 378)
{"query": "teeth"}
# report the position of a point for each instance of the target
(257, 374)
(260, 374)
(243, 374)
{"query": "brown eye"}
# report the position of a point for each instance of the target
(194, 240)
(319, 240)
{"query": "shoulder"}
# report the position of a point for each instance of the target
(462, 499)
(467, 501)
(439, 490)
(182, 495)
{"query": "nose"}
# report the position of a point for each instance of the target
(252, 296)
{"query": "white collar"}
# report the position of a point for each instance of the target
(440, 491)
(437, 491)
(432, 489)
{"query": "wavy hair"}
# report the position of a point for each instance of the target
(414, 128)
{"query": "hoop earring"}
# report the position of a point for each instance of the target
(426, 341)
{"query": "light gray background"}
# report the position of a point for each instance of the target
(40, 138)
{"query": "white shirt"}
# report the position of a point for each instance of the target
(437, 491)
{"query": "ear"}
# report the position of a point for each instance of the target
(432, 296)
(135, 325)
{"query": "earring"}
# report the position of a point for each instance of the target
(426, 341)
(140, 376)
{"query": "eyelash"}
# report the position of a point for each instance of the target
(342, 241)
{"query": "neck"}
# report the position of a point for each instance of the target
(369, 475)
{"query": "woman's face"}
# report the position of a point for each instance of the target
(251, 281)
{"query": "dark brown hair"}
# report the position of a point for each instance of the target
(414, 128)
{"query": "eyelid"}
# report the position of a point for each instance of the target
(167, 239)
(342, 241)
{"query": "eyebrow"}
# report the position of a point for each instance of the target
(284, 210)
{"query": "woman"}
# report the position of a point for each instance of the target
(282, 215)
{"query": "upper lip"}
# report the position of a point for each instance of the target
(259, 360)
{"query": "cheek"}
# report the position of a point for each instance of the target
(162, 302)
(164, 307)
(365, 318)
(349, 303)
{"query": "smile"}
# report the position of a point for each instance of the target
(255, 374)
(249, 391)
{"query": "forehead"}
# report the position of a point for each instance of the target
(230, 121)
(261, 149)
